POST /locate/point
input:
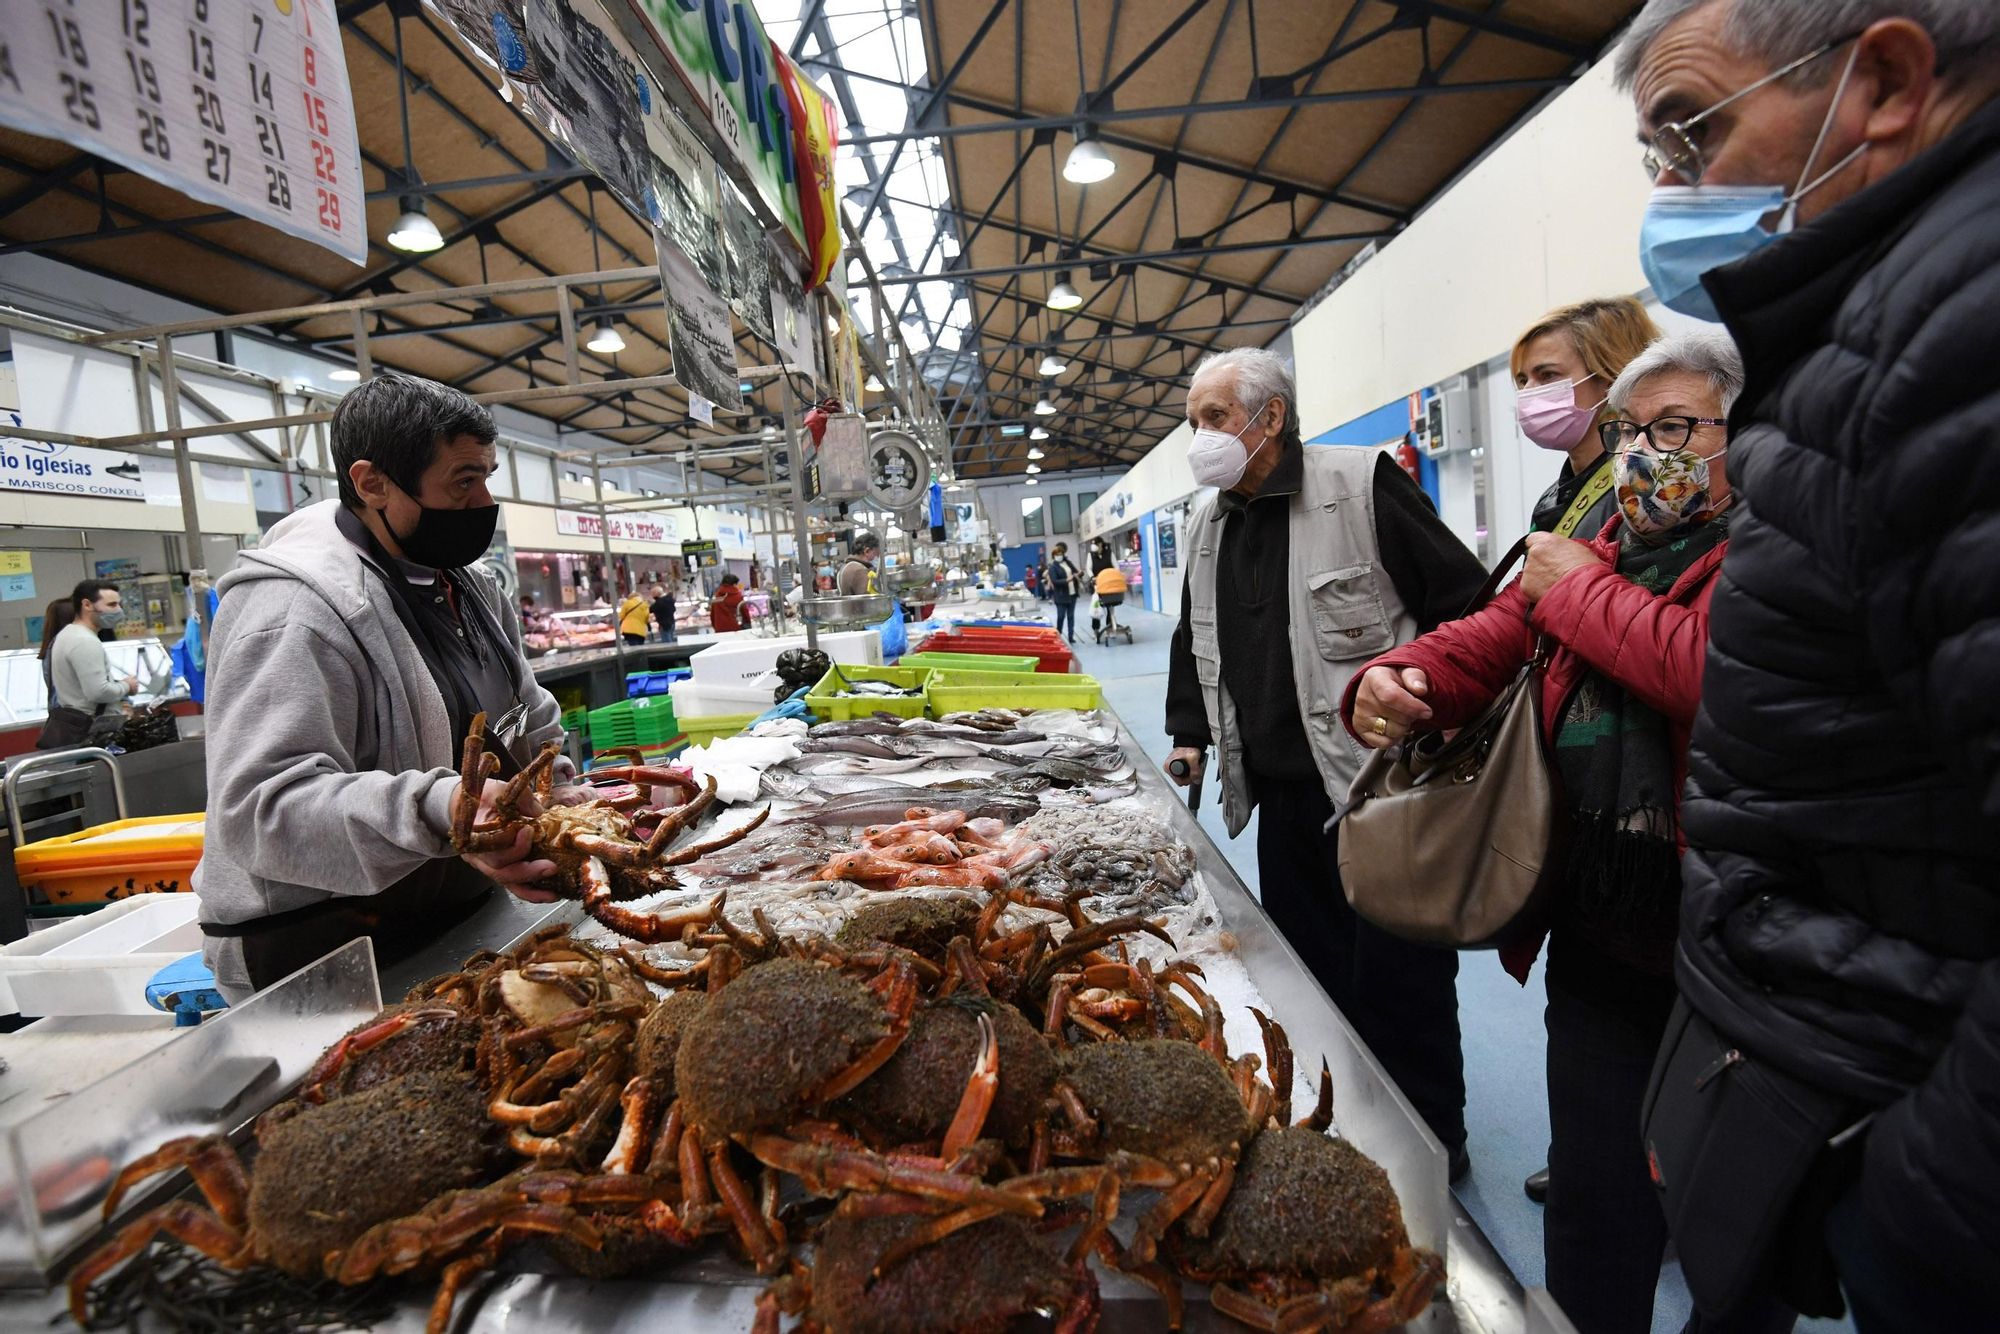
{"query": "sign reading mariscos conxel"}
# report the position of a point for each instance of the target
(69, 470)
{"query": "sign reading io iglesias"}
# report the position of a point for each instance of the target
(624, 527)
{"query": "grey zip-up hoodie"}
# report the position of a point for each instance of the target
(330, 756)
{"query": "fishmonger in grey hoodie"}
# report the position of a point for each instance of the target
(331, 763)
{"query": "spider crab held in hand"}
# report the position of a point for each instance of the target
(600, 857)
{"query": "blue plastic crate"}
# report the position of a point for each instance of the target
(654, 683)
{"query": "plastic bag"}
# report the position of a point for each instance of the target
(895, 635)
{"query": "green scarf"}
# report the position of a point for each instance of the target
(1615, 757)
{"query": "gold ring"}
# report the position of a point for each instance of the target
(1381, 726)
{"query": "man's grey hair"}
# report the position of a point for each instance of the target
(1261, 375)
(1777, 32)
(1705, 352)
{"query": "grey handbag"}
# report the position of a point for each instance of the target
(1459, 842)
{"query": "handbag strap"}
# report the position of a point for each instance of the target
(1497, 578)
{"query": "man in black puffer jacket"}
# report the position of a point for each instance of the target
(1841, 909)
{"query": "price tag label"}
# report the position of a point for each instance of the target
(239, 103)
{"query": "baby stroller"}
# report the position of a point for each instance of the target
(1107, 627)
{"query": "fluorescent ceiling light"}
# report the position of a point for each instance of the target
(607, 339)
(1044, 408)
(346, 375)
(1053, 364)
(1037, 454)
(1014, 430)
(1039, 433)
(414, 232)
(1087, 162)
(1063, 296)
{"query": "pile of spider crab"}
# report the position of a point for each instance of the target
(962, 1104)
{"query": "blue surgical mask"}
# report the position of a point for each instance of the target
(1690, 229)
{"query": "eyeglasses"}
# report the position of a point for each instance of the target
(1673, 149)
(1664, 434)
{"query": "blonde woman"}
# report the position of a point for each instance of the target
(1563, 368)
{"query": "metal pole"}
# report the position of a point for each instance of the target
(196, 559)
(610, 575)
(797, 469)
(362, 361)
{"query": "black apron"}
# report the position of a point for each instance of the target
(412, 913)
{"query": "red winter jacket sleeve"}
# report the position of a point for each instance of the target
(1649, 645)
(1468, 661)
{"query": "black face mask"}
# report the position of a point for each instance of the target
(447, 539)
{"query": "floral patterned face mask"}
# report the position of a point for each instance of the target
(1662, 492)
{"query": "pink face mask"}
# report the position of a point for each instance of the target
(1549, 415)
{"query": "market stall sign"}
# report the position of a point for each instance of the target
(624, 527)
(705, 553)
(241, 105)
(69, 470)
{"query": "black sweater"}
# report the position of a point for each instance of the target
(1433, 573)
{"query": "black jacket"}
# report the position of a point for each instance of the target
(1555, 501)
(1841, 916)
(1434, 575)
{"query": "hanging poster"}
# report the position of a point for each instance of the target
(749, 264)
(701, 409)
(791, 316)
(698, 329)
(590, 90)
(243, 106)
(17, 562)
(15, 587)
(1170, 555)
(497, 30)
(683, 203)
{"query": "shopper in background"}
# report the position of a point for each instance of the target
(1626, 617)
(1064, 581)
(1305, 564)
(79, 671)
(1563, 368)
(55, 616)
(663, 612)
(1840, 935)
(633, 614)
(352, 648)
(857, 576)
(1111, 586)
(725, 609)
(1100, 556)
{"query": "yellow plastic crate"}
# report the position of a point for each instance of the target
(958, 692)
(828, 705)
(149, 855)
(714, 727)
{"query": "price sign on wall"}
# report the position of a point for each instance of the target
(239, 103)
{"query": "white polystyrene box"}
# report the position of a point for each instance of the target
(100, 964)
(737, 663)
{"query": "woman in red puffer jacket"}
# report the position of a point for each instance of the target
(1626, 619)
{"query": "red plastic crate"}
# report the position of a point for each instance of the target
(1045, 646)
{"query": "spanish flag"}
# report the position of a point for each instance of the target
(815, 134)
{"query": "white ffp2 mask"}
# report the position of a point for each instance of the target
(1218, 458)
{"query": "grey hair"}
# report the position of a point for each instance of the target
(1261, 375)
(1966, 32)
(1704, 352)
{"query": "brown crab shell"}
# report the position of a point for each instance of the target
(924, 926)
(657, 1047)
(914, 1096)
(759, 1046)
(976, 1279)
(1303, 1205)
(1169, 1100)
(329, 1173)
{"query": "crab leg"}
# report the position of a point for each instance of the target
(969, 970)
(471, 782)
(1212, 1040)
(455, 1276)
(640, 1103)
(929, 1233)
(1154, 1223)
(697, 1191)
(312, 1089)
(680, 818)
(639, 926)
(900, 1002)
(1278, 1055)
(1321, 1115)
(977, 1100)
(1203, 1214)
(183, 1220)
(209, 1159)
(826, 1171)
(765, 1250)
(1156, 1278)
(508, 804)
(696, 851)
(1080, 1119)
(600, 1012)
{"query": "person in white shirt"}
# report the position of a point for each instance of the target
(80, 676)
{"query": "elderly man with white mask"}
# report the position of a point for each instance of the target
(1303, 565)
(1827, 184)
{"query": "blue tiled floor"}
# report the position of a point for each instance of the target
(1507, 1104)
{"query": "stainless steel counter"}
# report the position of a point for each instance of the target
(712, 1293)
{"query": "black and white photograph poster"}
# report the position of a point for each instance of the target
(593, 88)
(791, 317)
(698, 329)
(749, 265)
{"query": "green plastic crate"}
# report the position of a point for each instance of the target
(969, 662)
(831, 707)
(714, 727)
(959, 692)
(646, 722)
